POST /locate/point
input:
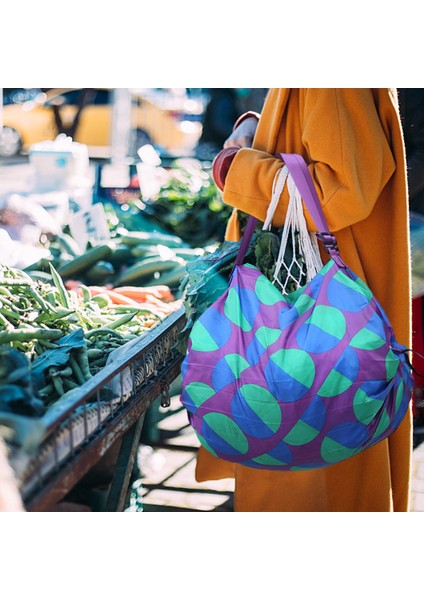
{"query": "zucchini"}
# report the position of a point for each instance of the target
(69, 245)
(99, 272)
(83, 263)
(171, 277)
(120, 255)
(43, 264)
(147, 267)
(189, 253)
(150, 254)
(136, 238)
(143, 249)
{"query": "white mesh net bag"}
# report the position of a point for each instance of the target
(299, 259)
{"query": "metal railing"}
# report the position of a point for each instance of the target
(80, 429)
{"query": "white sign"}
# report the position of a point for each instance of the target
(89, 226)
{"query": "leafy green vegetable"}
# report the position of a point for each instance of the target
(129, 216)
(266, 252)
(16, 386)
(56, 357)
(208, 277)
(190, 205)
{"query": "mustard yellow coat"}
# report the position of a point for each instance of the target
(352, 141)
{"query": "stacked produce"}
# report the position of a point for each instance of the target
(62, 317)
(65, 335)
(190, 205)
(128, 257)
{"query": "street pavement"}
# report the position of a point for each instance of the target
(417, 487)
(167, 468)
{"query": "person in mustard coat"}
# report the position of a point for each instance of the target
(352, 142)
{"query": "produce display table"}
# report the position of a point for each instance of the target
(109, 407)
(106, 284)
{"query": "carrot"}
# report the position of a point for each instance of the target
(167, 307)
(120, 298)
(97, 289)
(72, 284)
(154, 309)
(114, 296)
(139, 294)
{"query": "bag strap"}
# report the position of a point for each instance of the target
(302, 178)
(300, 173)
(246, 239)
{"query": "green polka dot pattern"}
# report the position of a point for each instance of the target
(295, 382)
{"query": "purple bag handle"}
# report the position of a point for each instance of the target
(300, 173)
(298, 169)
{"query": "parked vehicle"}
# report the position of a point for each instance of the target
(168, 119)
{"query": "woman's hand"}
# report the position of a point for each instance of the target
(241, 137)
(243, 134)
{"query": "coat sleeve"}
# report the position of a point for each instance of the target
(344, 143)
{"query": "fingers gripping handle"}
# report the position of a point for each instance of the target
(302, 178)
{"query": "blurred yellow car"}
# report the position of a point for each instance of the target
(170, 120)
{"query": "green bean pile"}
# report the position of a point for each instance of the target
(35, 316)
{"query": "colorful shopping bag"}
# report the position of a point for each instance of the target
(300, 380)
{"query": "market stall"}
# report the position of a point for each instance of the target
(92, 320)
(78, 431)
(80, 366)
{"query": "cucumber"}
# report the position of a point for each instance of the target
(100, 272)
(136, 238)
(147, 267)
(171, 277)
(120, 255)
(143, 249)
(189, 253)
(69, 245)
(43, 264)
(83, 263)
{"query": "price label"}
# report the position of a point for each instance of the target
(89, 225)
